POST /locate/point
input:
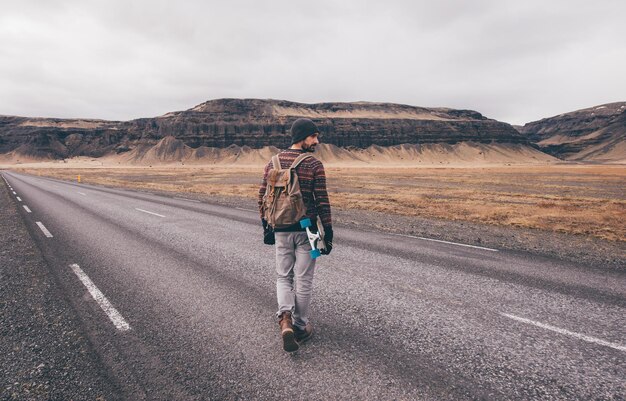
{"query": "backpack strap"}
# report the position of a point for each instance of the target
(293, 172)
(298, 160)
(276, 162)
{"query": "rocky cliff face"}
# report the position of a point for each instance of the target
(596, 133)
(254, 123)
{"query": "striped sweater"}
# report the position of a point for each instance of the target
(312, 180)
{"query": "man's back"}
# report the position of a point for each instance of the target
(312, 179)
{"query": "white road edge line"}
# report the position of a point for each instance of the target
(567, 332)
(145, 211)
(19, 199)
(247, 210)
(27, 209)
(447, 242)
(112, 313)
(44, 229)
(82, 193)
(188, 200)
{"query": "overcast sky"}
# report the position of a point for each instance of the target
(512, 60)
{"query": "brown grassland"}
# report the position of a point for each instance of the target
(577, 199)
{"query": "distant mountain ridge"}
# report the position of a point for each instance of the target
(593, 134)
(214, 128)
(253, 123)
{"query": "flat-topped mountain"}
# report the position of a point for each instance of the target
(596, 134)
(257, 123)
(253, 123)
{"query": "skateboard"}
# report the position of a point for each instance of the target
(315, 239)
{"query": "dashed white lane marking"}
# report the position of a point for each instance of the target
(82, 193)
(188, 200)
(44, 229)
(447, 242)
(567, 332)
(146, 211)
(27, 209)
(112, 313)
(19, 199)
(14, 193)
(247, 210)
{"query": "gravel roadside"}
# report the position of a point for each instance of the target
(44, 354)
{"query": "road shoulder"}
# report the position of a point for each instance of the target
(44, 353)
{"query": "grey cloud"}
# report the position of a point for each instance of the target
(514, 61)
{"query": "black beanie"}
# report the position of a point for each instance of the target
(302, 128)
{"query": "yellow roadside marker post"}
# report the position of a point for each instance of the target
(79, 179)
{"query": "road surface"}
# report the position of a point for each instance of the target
(177, 297)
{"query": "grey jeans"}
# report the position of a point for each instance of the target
(295, 268)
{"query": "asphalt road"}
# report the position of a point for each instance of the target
(178, 300)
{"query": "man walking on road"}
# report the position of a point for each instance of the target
(294, 265)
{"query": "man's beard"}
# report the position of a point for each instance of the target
(310, 148)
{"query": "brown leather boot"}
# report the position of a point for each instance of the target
(286, 332)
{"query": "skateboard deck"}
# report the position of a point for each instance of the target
(316, 239)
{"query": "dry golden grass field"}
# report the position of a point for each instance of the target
(576, 199)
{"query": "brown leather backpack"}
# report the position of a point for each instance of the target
(283, 205)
